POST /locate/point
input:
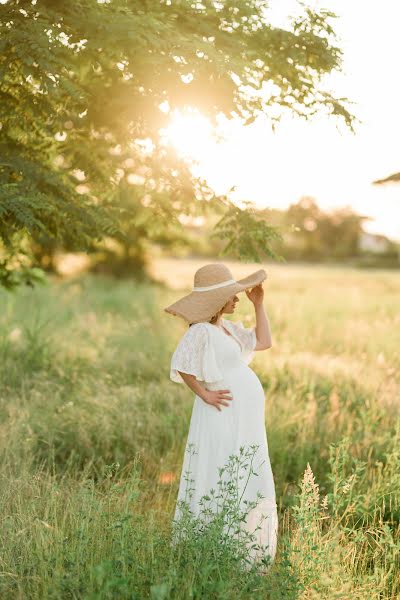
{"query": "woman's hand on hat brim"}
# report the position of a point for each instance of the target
(256, 294)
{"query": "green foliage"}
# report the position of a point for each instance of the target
(215, 539)
(12, 278)
(81, 86)
(250, 237)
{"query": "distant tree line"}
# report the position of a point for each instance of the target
(311, 234)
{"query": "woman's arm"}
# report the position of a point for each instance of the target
(263, 330)
(216, 398)
(193, 384)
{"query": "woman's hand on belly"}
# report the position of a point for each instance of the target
(217, 398)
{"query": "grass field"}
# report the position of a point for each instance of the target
(93, 432)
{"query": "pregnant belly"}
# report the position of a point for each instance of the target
(219, 433)
(245, 386)
(246, 390)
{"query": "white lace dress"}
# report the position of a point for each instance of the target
(221, 362)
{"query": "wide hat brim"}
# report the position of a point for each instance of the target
(201, 306)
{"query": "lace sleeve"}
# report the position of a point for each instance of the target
(195, 355)
(247, 338)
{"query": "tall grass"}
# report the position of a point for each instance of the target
(92, 435)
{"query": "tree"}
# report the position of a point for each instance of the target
(82, 83)
(321, 235)
(394, 178)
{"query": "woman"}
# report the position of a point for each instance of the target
(228, 413)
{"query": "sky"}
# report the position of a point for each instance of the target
(321, 158)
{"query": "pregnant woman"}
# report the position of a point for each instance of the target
(228, 413)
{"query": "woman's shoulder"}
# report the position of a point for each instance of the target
(197, 330)
(196, 337)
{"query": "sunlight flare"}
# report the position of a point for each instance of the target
(190, 133)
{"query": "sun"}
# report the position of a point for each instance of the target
(190, 133)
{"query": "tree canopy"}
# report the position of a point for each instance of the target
(81, 87)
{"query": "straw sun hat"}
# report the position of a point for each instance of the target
(214, 284)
